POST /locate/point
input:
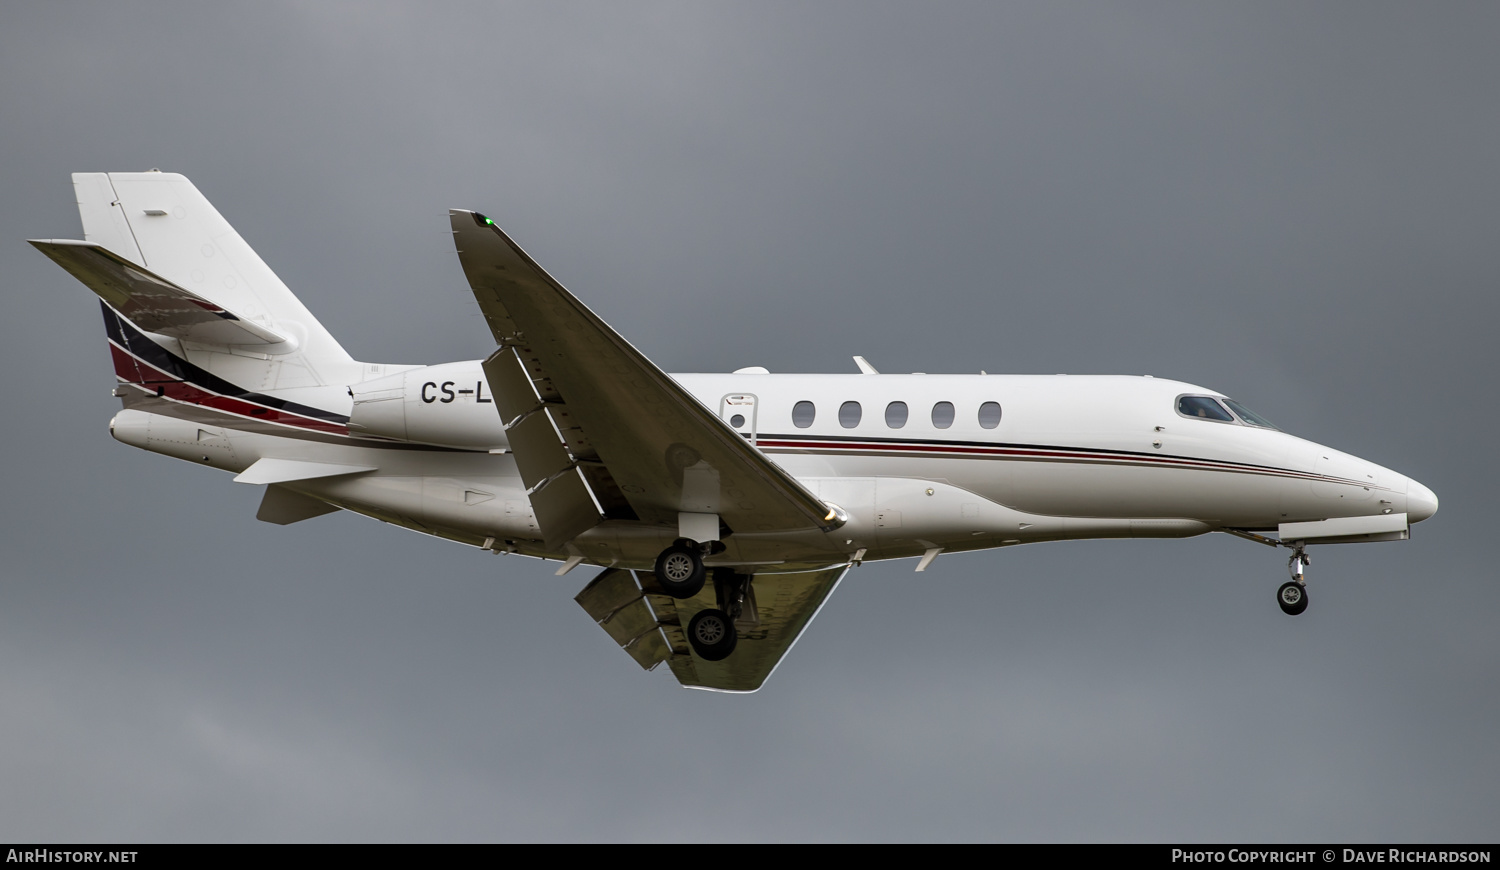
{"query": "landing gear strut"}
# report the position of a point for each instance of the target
(1292, 596)
(680, 574)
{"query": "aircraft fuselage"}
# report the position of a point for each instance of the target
(919, 462)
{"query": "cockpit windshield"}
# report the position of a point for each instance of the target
(1249, 416)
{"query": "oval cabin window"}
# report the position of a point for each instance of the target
(895, 415)
(803, 414)
(942, 415)
(989, 415)
(849, 414)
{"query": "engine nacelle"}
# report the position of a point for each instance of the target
(448, 405)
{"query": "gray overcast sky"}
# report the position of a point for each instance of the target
(1293, 203)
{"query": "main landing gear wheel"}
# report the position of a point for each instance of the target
(1292, 597)
(711, 633)
(679, 571)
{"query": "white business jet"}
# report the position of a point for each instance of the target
(722, 508)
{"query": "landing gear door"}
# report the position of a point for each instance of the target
(738, 410)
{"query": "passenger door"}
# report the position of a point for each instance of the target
(738, 410)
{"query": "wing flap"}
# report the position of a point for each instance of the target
(511, 386)
(615, 600)
(150, 301)
(565, 508)
(545, 442)
(538, 447)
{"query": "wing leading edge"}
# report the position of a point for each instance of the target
(596, 427)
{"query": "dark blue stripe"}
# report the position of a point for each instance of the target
(126, 335)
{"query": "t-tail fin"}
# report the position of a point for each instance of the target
(159, 221)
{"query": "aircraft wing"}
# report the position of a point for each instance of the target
(597, 429)
(150, 301)
(649, 625)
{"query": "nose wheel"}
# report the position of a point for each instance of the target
(1292, 597)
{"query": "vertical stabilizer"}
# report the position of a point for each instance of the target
(160, 221)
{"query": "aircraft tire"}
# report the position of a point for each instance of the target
(1292, 597)
(711, 634)
(680, 572)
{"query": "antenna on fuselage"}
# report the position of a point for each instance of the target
(864, 366)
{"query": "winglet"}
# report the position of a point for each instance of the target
(864, 366)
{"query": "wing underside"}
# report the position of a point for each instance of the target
(649, 625)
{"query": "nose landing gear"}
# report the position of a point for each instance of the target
(1292, 596)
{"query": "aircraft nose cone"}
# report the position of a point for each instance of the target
(1421, 502)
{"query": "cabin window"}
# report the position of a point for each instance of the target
(1249, 416)
(895, 415)
(989, 415)
(942, 415)
(1203, 407)
(803, 414)
(737, 421)
(849, 414)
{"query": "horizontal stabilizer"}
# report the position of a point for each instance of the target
(152, 302)
(270, 470)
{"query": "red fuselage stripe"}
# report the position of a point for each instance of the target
(135, 370)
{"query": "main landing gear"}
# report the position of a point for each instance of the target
(711, 631)
(711, 634)
(680, 573)
(679, 569)
(1292, 596)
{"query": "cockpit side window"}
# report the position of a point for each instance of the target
(1249, 416)
(1203, 407)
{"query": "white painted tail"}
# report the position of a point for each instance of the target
(160, 221)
